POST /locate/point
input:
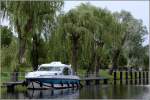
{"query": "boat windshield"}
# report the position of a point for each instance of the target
(49, 68)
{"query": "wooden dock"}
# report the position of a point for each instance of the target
(97, 80)
(11, 85)
(125, 77)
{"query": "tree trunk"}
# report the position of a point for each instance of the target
(21, 58)
(22, 48)
(91, 68)
(115, 61)
(21, 53)
(75, 42)
(117, 53)
(98, 63)
(35, 53)
(14, 75)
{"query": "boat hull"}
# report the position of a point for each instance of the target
(45, 83)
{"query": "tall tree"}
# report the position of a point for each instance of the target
(125, 31)
(88, 24)
(73, 29)
(28, 18)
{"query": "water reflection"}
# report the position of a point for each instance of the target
(58, 93)
(87, 92)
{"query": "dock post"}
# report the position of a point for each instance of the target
(135, 74)
(87, 82)
(126, 77)
(131, 78)
(139, 77)
(115, 75)
(121, 77)
(10, 88)
(143, 77)
(147, 77)
(105, 81)
(96, 82)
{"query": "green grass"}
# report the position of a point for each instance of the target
(81, 72)
(105, 73)
(102, 73)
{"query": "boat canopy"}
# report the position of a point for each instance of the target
(55, 64)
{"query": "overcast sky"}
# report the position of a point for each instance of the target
(139, 9)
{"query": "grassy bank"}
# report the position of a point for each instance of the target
(102, 73)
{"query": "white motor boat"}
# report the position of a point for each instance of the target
(52, 75)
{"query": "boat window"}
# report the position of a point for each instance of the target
(66, 71)
(49, 69)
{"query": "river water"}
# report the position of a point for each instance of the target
(87, 92)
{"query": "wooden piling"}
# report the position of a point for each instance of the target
(135, 76)
(126, 77)
(139, 77)
(121, 75)
(147, 77)
(115, 77)
(131, 78)
(10, 88)
(87, 82)
(143, 77)
(105, 81)
(96, 82)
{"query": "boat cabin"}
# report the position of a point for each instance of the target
(57, 67)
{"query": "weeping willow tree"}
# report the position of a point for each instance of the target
(86, 29)
(127, 33)
(73, 30)
(135, 51)
(86, 36)
(28, 19)
(98, 22)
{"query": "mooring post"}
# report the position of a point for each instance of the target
(139, 77)
(96, 81)
(135, 76)
(87, 82)
(143, 77)
(131, 78)
(121, 75)
(115, 77)
(147, 77)
(105, 81)
(10, 88)
(126, 77)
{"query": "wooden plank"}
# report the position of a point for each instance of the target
(93, 78)
(13, 83)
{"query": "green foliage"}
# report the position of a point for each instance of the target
(6, 36)
(87, 37)
(29, 19)
(9, 56)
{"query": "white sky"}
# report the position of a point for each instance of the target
(139, 9)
